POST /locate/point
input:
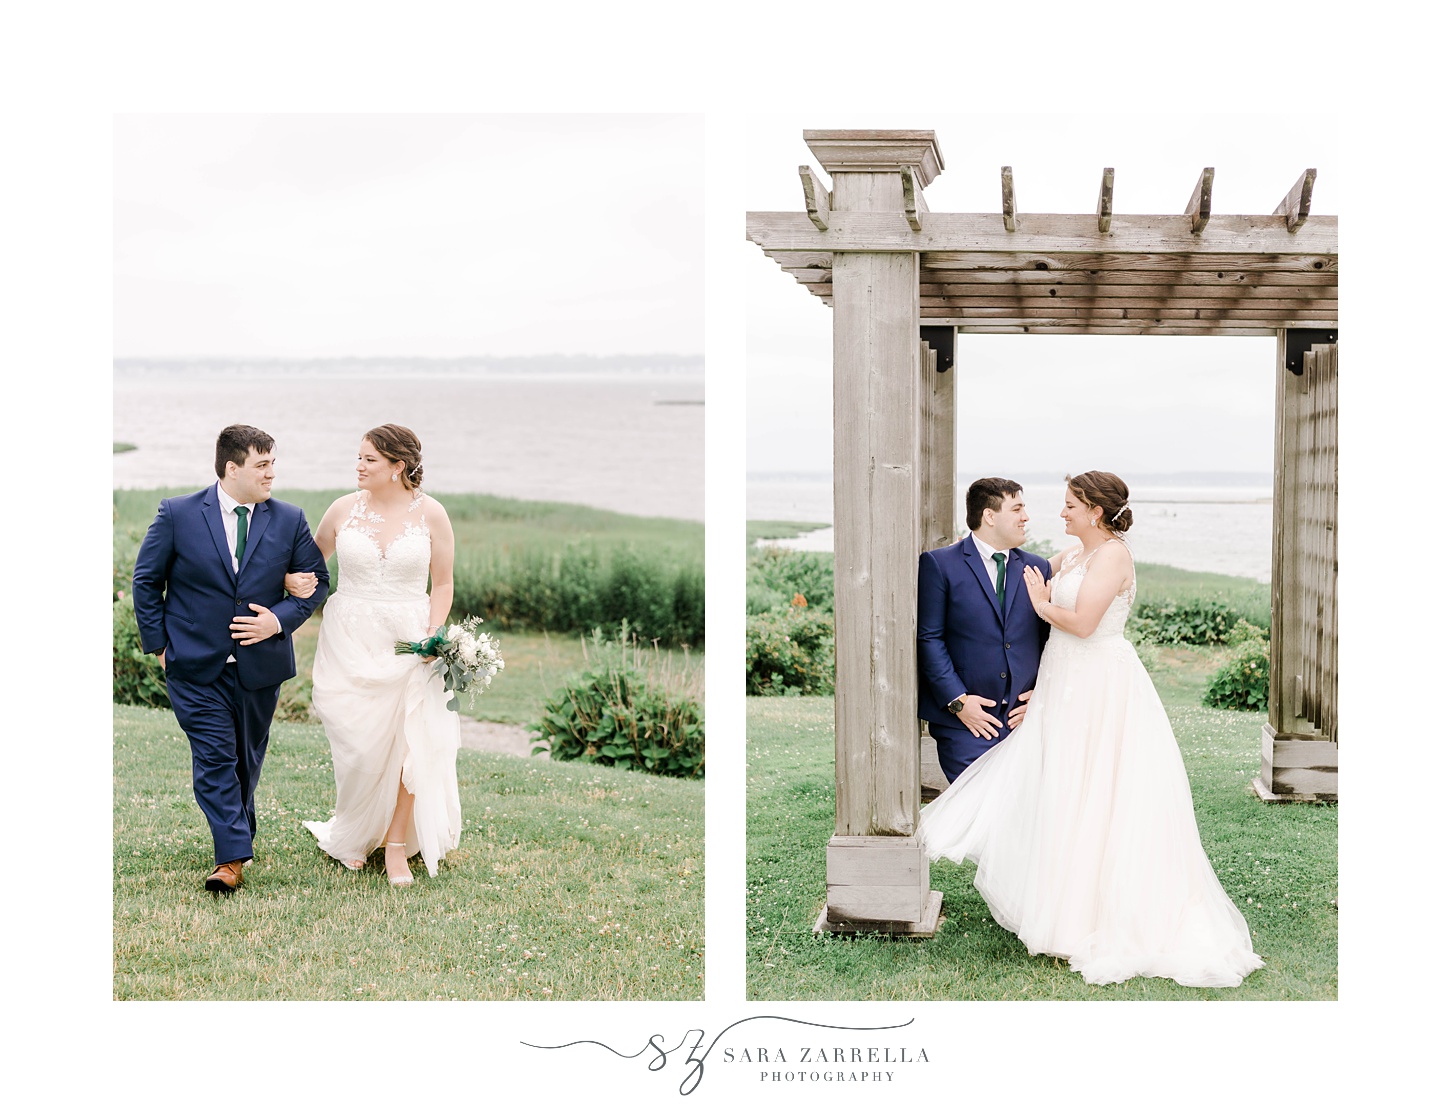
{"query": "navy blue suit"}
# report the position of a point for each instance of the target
(966, 643)
(186, 596)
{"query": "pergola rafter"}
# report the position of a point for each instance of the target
(902, 283)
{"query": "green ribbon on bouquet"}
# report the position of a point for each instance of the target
(428, 648)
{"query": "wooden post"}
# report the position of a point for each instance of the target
(876, 869)
(1299, 748)
(939, 499)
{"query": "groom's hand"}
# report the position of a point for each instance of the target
(257, 627)
(1015, 716)
(976, 720)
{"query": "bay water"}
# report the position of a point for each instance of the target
(1205, 522)
(620, 439)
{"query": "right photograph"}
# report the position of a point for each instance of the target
(1041, 659)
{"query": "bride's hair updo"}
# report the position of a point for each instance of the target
(1108, 493)
(400, 445)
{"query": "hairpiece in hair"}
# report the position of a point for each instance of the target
(1120, 511)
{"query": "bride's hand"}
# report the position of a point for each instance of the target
(300, 584)
(1038, 590)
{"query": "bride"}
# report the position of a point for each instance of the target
(394, 741)
(1081, 821)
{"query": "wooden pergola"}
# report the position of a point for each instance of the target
(902, 283)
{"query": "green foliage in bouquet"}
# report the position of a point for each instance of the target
(1191, 622)
(791, 651)
(619, 713)
(1243, 683)
(137, 677)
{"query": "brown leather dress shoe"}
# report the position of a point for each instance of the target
(226, 878)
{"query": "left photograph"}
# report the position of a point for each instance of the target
(408, 575)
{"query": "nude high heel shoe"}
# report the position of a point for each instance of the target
(404, 879)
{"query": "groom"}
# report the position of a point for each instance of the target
(210, 605)
(978, 638)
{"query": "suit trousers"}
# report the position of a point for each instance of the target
(958, 748)
(228, 728)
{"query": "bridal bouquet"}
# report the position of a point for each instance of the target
(465, 659)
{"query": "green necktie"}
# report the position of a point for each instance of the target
(1002, 563)
(242, 538)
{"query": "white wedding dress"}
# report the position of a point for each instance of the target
(1082, 826)
(385, 714)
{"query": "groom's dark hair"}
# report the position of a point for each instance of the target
(235, 442)
(988, 493)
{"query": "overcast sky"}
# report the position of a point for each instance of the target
(407, 235)
(1132, 404)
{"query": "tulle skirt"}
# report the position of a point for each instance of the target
(1082, 827)
(386, 718)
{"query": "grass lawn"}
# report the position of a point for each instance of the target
(1277, 862)
(570, 882)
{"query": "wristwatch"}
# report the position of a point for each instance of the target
(955, 707)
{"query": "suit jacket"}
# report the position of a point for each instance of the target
(965, 643)
(186, 593)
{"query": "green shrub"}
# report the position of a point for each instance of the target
(581, 586)
(137, 677)
(791, 651)
(1193, 622)
(1245, 631)
(774, 576)
(1243, 683)
(617, 714)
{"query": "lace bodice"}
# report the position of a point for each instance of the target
(371, 566)
(1065, 594)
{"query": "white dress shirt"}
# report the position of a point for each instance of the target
(986, 552)
(229, 524)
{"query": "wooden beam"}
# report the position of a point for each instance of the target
(1200, 279)
(1188, 318)
(1295, 208)
(818, 198)
(1198, 208)
(1146, 263)
(1179, 329)
(909, 198)
(1105, 199)
(1010, 203)
(1234, 237)
(985, 293)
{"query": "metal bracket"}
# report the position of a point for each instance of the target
(943, 340)
(1299, 341)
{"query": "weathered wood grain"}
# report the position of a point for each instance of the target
(1010, 202)
(909, 199)
(1295, 207)
(1143, 261)
(818, 198)
(1203, 281)
(922, 929)
(939, 456)
(1198, 208)
(1191, 320)
(1049, 298)
(876, 496)
(933, 284)
(1105, 200)
(1299, 749)
(1095, 328)
(875, 149)
(1042, 234)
